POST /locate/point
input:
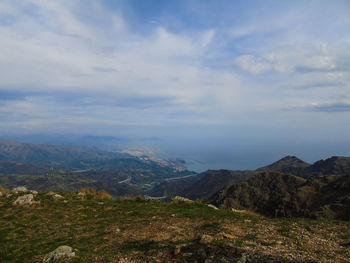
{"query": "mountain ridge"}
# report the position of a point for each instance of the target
(275, 195)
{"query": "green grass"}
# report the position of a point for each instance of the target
(28, 233)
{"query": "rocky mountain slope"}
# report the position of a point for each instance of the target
(282, 195)
(335, 165)
(212, 181)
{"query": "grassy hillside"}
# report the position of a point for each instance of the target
(102, 230)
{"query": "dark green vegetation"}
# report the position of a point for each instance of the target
(274, 194)
(11, 167)
(105, 230)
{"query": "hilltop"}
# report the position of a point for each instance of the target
(99, 229)
(288, 164)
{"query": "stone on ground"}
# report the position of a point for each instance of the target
(59, 253)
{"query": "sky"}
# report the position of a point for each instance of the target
(229, 80)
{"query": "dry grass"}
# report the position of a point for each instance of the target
(3, 190)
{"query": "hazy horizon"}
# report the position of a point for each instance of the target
(214, 154)
(231, 84)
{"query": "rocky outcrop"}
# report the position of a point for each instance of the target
(19, 189)
(27, 199)
(62, 252)
(181, 199)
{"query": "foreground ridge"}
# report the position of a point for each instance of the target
(99, 229)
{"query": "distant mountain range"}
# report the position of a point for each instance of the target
(289, 187)
(69, 168)
(45, 155)
(335, 165)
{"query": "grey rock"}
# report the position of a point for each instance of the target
(181, 199)
(213, 206)
(57, 197)
(24, 200)
(59, 253)
(19, 189)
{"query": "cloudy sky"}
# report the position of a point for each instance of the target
(253, 75)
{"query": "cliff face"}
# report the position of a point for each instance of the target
(277, 195)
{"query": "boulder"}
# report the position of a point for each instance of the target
(181, 199)
(81, 195)
(62, 252)
(24, 200)
(57, 197)
(19, 189)
(0, 193)
(213, 206)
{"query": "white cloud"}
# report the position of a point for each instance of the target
(321, 62)
(65, 48)
(252, 65)
(208, 37)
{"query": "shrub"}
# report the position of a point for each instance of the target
(93, 194)
(138, 198)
